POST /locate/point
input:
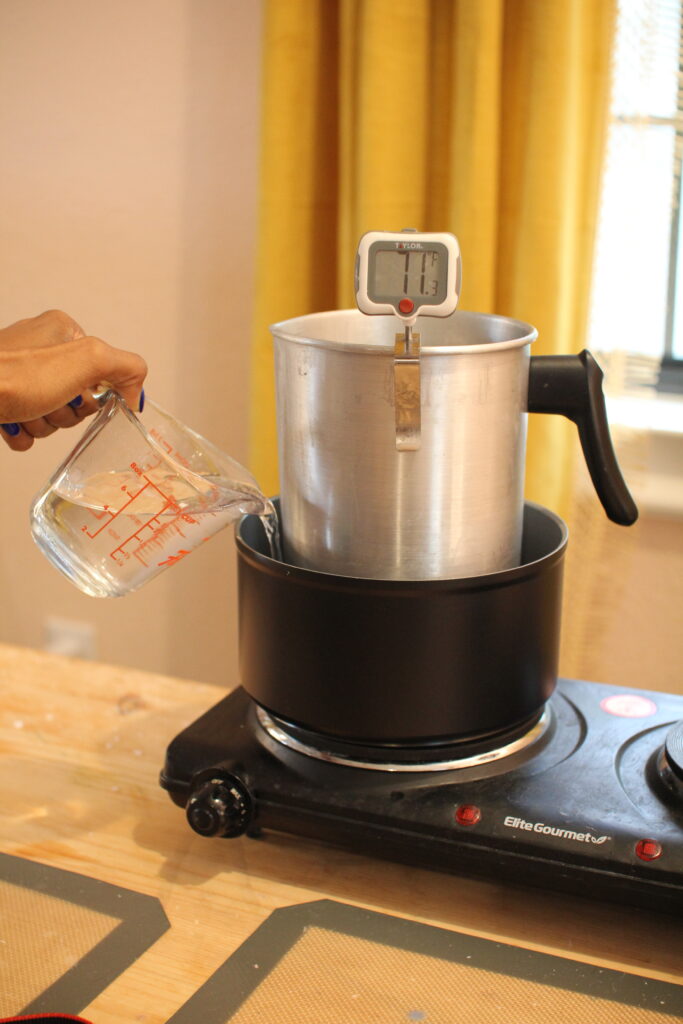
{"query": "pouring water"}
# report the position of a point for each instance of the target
(136, 496)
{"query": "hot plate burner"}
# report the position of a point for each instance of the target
(670, 764)
(409, 757)
(588, 799)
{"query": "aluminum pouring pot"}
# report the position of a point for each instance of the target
(354, 504)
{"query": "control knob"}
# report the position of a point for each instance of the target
(220, 806)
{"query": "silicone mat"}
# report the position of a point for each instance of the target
(330, 963)
(65, 937)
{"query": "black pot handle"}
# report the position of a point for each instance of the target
(572, 386)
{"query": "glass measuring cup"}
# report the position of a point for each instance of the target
(135, 496)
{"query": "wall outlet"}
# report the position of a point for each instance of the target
(74, 639)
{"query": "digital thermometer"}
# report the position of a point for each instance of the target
(408, 273)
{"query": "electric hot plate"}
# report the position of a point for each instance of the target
(587, 798)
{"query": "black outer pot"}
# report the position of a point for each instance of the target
(410, 663)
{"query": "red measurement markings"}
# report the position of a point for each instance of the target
(148, 531)
(154, 527)
(111, 516)
(172, 559)
(168, 448)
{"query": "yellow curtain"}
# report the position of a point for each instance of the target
(481, 117)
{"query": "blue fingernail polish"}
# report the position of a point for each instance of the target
(75, 402)
(11, 428)
(142, 400)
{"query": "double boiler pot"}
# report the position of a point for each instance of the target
(418, 600)
(354, 504)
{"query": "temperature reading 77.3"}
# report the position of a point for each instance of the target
(406, 273)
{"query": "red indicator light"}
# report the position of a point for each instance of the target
(406, 305)
(467, 814)
(628, 705)
(648, 849)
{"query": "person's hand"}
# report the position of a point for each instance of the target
(48, 370)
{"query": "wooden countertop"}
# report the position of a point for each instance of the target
(82, 745)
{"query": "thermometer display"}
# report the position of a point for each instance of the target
(408, 273)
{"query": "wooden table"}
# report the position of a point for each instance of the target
(82, 745)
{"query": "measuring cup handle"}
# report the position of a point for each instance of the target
(572, 387)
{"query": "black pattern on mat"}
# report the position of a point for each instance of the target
(142, 921)
(235, 980)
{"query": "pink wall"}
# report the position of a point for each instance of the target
(128, 176)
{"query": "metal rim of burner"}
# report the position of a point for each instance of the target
(285, 734)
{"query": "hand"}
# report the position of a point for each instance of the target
(48, 370)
